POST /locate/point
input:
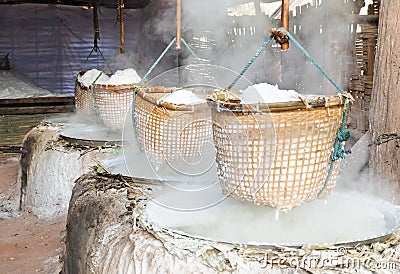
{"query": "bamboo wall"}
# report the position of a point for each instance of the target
(362, 71)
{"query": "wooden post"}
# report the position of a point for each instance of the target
(121, 21)
(95, 26)
(385, 101)
(178, 24)
(285, 21)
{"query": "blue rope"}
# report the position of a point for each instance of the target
(247, 66)
(189, 49)
(157, 61)
(150, 70)
(324, 73)
(342, 135)
(144, 78)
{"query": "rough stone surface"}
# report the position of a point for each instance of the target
(49, 170)
(107, 233)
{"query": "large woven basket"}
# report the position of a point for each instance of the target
(83, 98)
(168, 132)
(113, 102)
(276, 154)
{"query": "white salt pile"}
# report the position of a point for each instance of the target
(124, 77)
(90, 76)
(14, 86)
(120, 77)
(182, 97)
(266, 93)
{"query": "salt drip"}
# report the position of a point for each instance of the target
(277, 214)
(266, 93)
(182, 97)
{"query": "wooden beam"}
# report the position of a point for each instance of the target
(36, 110)
(178, 24)
(122, 27)
(37, 105)
(285, 20)
(12, 149)
(38, 100)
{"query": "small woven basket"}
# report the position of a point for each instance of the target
(169, 132)
(113, 102)
(276, 154)
(83, 98)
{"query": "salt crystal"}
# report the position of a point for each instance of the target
(266, 93)
(120, 77)
(90, 76)
(182, 97)
(124, 77)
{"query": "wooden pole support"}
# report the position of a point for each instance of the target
(178, 24)
(122, 28)
(285, 21)
(95, 26)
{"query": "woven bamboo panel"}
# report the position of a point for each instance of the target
(13, 128)
(277, 158)
(169, 132)
(83, 98)
(113, 103)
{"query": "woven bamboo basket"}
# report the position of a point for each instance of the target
(113, 102)
(83, 98)
(276, 154)
(168, 132)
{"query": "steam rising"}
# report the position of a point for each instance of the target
(230, 41)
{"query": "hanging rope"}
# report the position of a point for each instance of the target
(342, 134)
(151, 69)
(324, 73)
(281, 35)
(189, 49)
(156, 62)
(247, 66)
(96, 35)
(95, 106)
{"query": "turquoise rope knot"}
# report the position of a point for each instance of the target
(343, 135)
(338, 151)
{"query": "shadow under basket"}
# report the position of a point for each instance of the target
(276, 154)
(169, 132)
(113, 102)
(83, 98)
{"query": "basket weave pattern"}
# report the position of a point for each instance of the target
(168, 132)
(278, 158)
(113, 103)
(83, 98)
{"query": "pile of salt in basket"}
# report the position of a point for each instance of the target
(83, 97)
(275, 154)
(169, 132)
(104, 97)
